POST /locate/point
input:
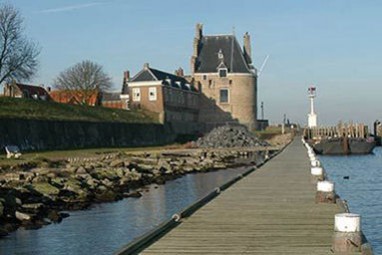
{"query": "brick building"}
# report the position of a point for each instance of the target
(172, 96)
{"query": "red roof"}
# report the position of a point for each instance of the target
(74, 97)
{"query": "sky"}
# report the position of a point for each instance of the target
(331, 44)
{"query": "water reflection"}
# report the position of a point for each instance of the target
(107, 227)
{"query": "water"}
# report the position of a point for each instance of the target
(105, 228)
(363, 189)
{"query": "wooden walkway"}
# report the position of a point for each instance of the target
(271, 211)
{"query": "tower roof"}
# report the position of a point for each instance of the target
(208, 59)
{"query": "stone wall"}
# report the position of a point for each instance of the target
(33, 135)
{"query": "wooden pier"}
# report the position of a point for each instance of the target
(271, 211)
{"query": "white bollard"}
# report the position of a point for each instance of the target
(347, 222)
(347, 233)
(317, 171)
(325, 186)
(315, 162)
(325, 192)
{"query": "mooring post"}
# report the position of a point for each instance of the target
(347, 233)
(325, 192)
(317, 174)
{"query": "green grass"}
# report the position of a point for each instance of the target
(41, 110)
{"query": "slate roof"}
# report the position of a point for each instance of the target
(151, 74)
(111, 96)
(210, 45)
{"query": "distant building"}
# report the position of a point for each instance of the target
(113, 100)
(19, 90)
(227, 79)
(173, 97)
(76, 97)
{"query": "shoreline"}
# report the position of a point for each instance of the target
(34, 197)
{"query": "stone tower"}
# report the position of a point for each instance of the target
(226, 77)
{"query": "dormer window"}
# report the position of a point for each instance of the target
(222, 72)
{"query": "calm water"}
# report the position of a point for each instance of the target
(107, 227)
(363, 189)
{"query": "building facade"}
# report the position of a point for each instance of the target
(227, 79)
(173, 97)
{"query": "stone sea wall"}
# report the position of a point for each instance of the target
(33, 135)
(35, 196)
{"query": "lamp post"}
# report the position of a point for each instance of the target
(312, 116)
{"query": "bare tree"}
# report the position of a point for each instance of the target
(83, 79)
(18, 55)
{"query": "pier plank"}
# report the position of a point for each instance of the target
(271, 211)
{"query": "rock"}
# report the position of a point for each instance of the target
(89, 167)
(135, 194)
(54, 216)
(45, 188)
(106, 182)
(81, 170)
(92, 183)
(120, 172)
(33, 207)
(106, 196)
(40, 178)
(22, 216)
(229, 136)
(117, 163)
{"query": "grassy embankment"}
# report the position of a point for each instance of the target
(18, 108)
(41, 110)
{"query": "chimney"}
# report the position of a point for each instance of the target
(247, 48)
(126, 76)
(146, 66)
(196, 46)
(49, 89)
(179, 72)
(199, 31)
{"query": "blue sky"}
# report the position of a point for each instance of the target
(335, 45)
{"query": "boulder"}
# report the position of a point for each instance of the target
(81, 170)
(45, 188)
(117, 163)
(22, 216)
(135, 194)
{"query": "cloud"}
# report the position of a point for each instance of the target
(71, 7)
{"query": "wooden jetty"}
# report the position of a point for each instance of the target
(350, 130)
(270, 211)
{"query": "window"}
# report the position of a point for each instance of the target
(136, 94)
(223, 72)
(210, 84)
(224, 98)
(230, 82)
(204, 77)
(153, 94)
